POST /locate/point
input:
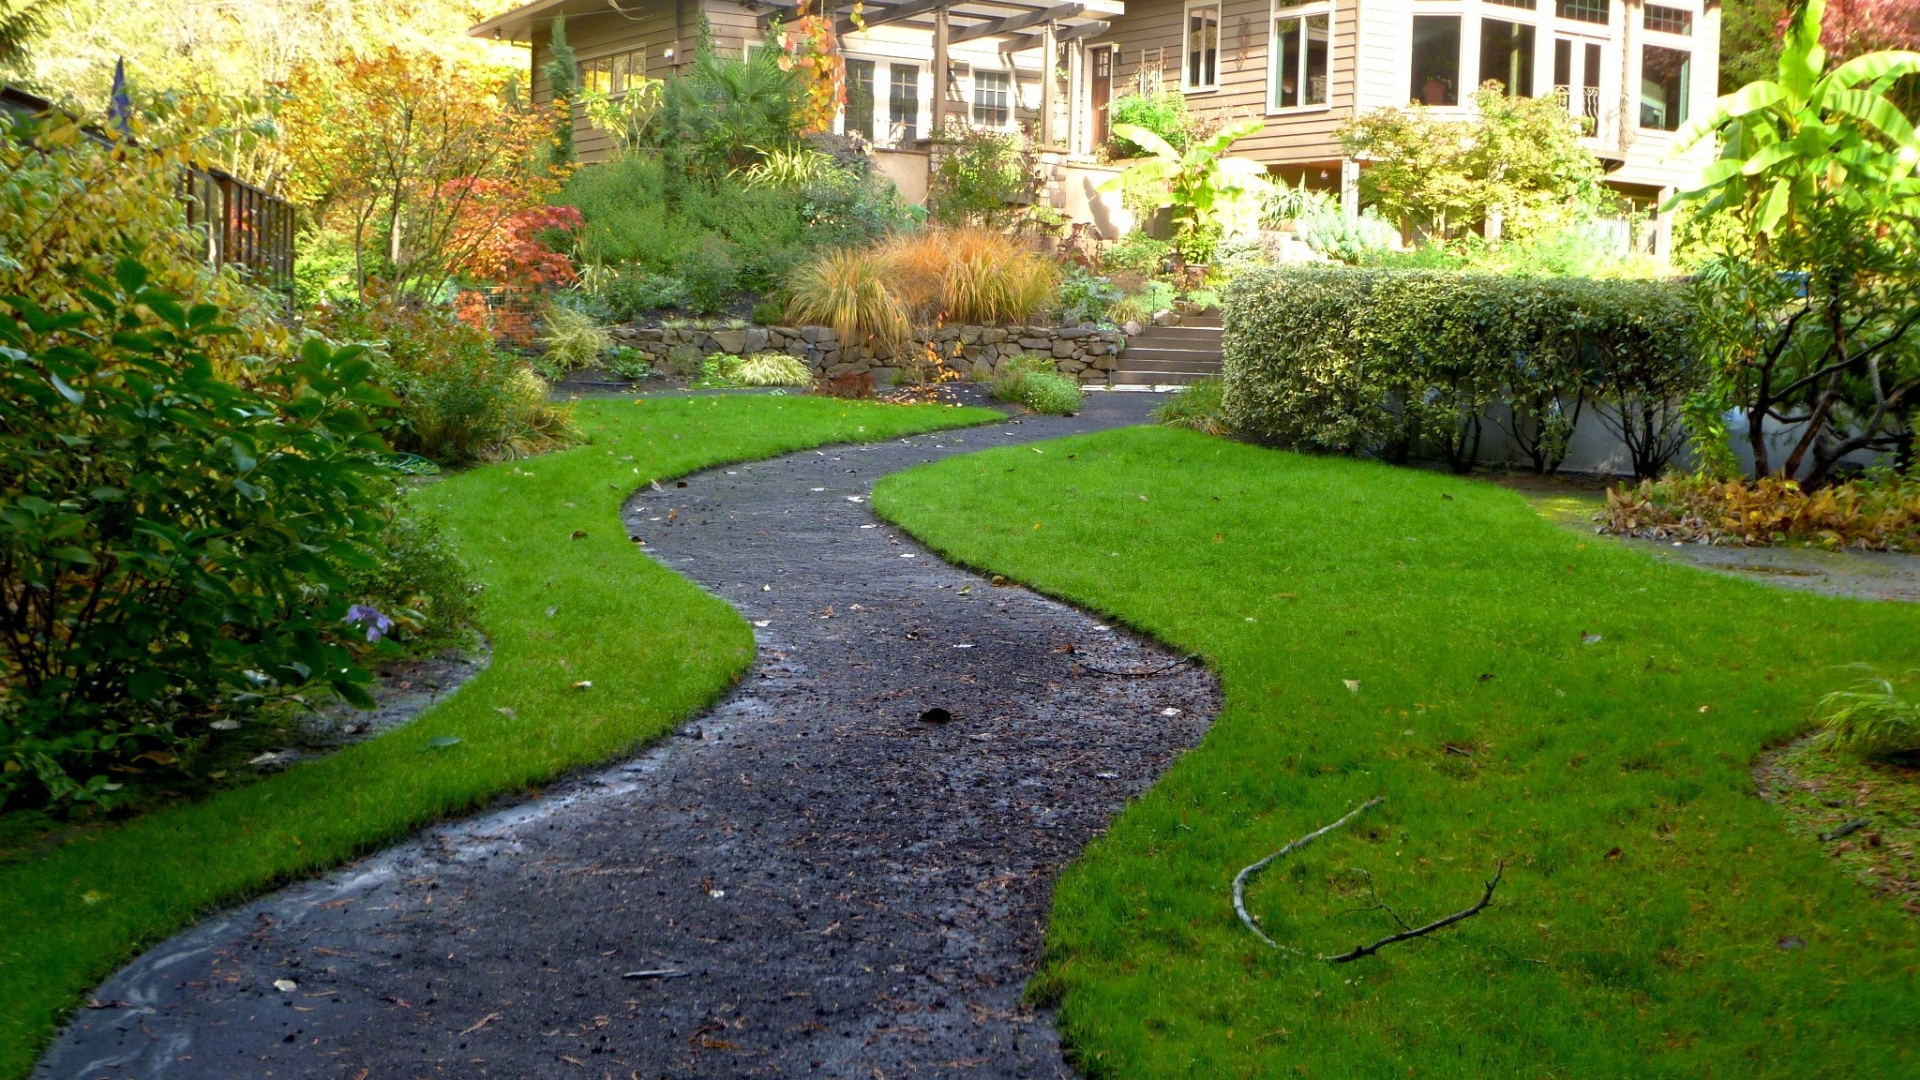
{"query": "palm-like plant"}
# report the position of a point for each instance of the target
(1206, 189)
(1812, 135)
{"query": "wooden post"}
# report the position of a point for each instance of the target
(1049, 56)
(940, 74)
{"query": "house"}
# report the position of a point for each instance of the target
(1632, 71)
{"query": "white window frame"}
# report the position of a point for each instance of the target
(1186, 55)
(921, 100)
(1280, 9)
(881, 120)
(1680, 43)
(1012, 92)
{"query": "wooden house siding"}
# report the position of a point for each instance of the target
(1151, 36)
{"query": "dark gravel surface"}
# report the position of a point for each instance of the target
(836, 886)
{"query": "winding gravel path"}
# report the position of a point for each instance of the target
(839, 888)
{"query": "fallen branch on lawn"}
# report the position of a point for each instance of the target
(1486, 898)
(1246, 874)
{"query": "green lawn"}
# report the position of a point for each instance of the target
(544, 536)
(1638, 931)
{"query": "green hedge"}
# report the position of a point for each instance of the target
(1397, 364)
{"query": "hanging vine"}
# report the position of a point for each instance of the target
(812, 47)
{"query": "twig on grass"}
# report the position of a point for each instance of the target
(1480, 905)
(1240, 879)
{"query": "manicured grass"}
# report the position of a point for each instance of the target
(568, 599)
(1648, 892)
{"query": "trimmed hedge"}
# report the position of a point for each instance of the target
(1396, 363)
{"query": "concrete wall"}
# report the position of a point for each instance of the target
(908, 169)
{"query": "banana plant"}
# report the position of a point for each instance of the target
(1810, 136)
(1206, 188)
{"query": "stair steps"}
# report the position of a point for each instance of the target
(1171, 355)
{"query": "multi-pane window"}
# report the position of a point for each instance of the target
(1506, 56)
(1436, 59)
(860, 98)
(1203, 47)
(613, 74)
(1593, 11)
(1669, 20)
(1528, 4)
(992, 98)
(1303, 57)
(1580, 88)
(1666, 81)
(903, 101)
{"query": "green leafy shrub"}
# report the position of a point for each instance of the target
(772, 369)
(628, 362)
(630, 291)
(417, 580)
(1086, 298)
(176, 530)
(1010, 379)
(1163, 113)
(459, 398)
(1135, 253)
(1053, 394)
(982, 177)
(1872, 720)
(716, 372)
(1199, 407)
(574, 339)
(1395, 363)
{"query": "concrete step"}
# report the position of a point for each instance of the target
(1196, 336)
(1155, 378)
(1134, 357)
(1203, 320)
(1192, 367)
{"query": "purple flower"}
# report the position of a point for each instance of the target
(377, 624)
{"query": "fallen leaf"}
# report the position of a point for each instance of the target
(441, 742)
(583, 684)
(1352, 684)
(285, 986)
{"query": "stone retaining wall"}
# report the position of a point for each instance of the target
(1085, 353)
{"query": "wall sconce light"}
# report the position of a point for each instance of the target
(668, 55)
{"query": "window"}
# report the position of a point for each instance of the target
(1506, 56)
(596, 76)
(1436, 59)
(1100, 57)
(1581, 88)
(1666, 80)
(992, 98)
(903, 102)
(1593, 11)
(1203, 47)
(1528, 4)
(1669, 20)
(613, 74)
(859, 99)
(1303, 53)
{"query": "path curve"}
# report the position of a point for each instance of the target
(848, 890)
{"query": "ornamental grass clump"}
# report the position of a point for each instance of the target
(574, 339)
(1054, 395)
(848, 291)
(772, 369)
(1872, 720)
(1878, 512)
(878, 295)
(1198, 407)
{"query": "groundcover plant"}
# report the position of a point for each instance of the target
(1520, 695)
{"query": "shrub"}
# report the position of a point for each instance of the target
(1086, 298)
(1163, 113)
(1055, 395)
(1872, 720)
(848, 290)
(1010, 381)
(175, 531)
(459, 398)
(1394, 363)
(416, 580)
(1135, 253)
(982, 177)
(772, 369)
(1878, 512)
(574, 339)
(1198, 407)
(630, 291)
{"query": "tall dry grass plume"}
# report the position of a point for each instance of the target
(947, 275)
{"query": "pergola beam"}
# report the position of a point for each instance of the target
(880, 16)
(1014, 23)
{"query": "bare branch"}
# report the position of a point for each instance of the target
(1486, 898)
(1240, 879)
